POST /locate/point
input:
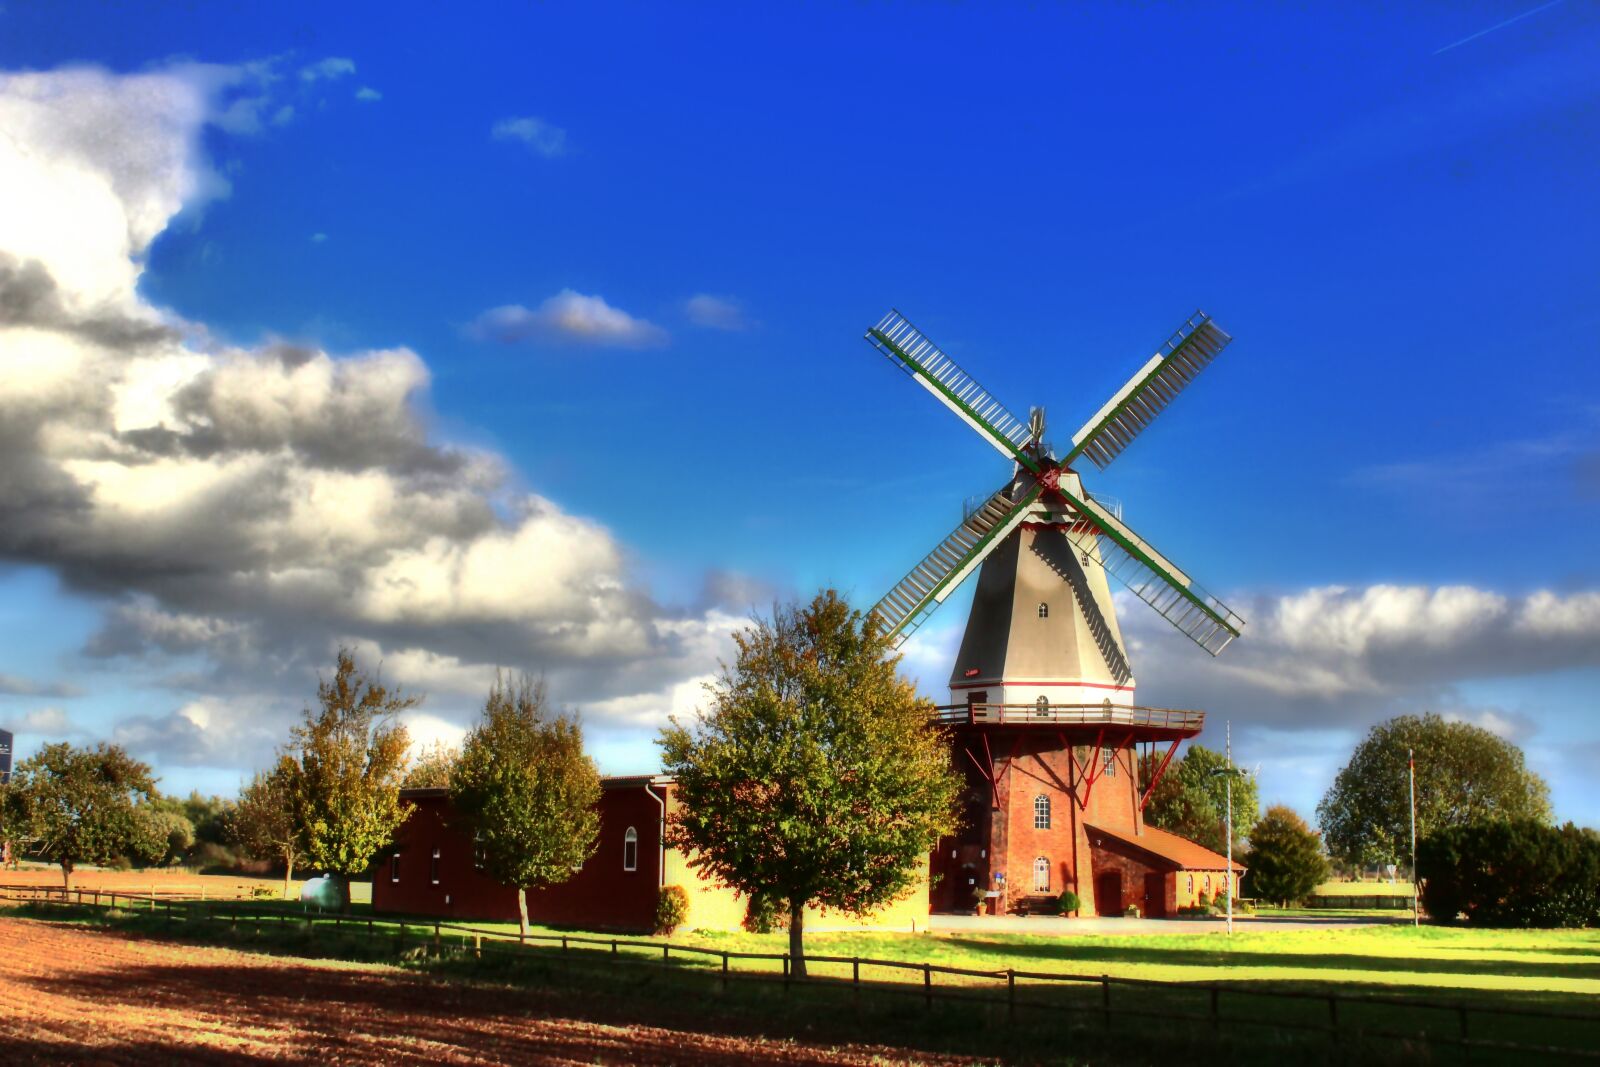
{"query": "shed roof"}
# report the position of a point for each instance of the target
(1178, 851)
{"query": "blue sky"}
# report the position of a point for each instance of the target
(692, 214)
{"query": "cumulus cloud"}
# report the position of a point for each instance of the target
(716, 312)
(568, 317)
(241, 511)
(368, 95)
(48, 722)
(540, 136)
(328, 69)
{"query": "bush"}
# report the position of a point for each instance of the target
(672, 908)
(1068, 902)
(1131, 912)
(765, 914)
(1512, 873)
(1286, 861)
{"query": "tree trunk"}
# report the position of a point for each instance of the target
(66, 875)
(522, 911)
(288, 873)
(343, 882)
(797, 944)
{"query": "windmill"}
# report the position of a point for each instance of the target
(1042, 674)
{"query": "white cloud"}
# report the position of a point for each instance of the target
(540, 136)
(49, 722)
(569, 317)
(716, 312)
(283, 116)
(329, 69)
(368, 95)
(239, 511)
(318, 238)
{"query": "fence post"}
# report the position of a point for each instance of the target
(1105, 999)
(1466, 1047)
(724, 972)
(785, 972)
(613, 946)
(1011, 994)
(927, 987)
(477, 946)
(1333, 1019)
(437, 941)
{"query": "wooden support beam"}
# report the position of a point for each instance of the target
(1160, 770)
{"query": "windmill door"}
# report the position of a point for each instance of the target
(1155, 897)
(1108, 893)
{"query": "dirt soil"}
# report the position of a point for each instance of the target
(76, 995)
(162, 882)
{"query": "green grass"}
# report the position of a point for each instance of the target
(1480, 969)
(1363, 889)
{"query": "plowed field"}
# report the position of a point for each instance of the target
(73, 995)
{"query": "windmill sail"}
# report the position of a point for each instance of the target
(953, 387)
(914, 598)
(1148, 392)
(1151, 577)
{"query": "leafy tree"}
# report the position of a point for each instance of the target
(268, 821)
(432, 766)
(1285, 858)
(83, 805)
(1191, 799)
(168, 834)
(1511, 873)
(352, 756)
(817, 775)
(1464, 774)
(526, 790)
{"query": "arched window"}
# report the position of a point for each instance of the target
(630, 850)
(1205, 887)
(1044, 610)
(1041, 875)
(1042, 706)
(1191, 885)
(1041, 812)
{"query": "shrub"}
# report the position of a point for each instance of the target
(1131, 912)
(765, 914)
(1068, 902)
(1286, 861)
(672, 908)
(1512, 873)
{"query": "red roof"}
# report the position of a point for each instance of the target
(1180, 851)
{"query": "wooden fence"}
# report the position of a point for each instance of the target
(1075, 999)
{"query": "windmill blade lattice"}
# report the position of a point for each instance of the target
(1151, 577)
(953, 387)
(1147, 393)
(914, 597)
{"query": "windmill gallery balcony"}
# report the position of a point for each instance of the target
(1166, 720)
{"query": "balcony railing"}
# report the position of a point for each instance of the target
(1071, 715)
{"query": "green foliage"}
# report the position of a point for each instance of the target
(672, 908)
(167, 835)
(1191, 800)
(83, 805)
(431, 767)
(764, 914)
(525, 789)
(351, 754)
(1068, 902)
(1511, 873)
(1465, 774)
(1285, 859)
(816, 776)
(269, 820)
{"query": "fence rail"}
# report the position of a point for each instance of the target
(1009, 989)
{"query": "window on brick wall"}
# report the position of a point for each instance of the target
(1041, 875)
(1041, 812)
(1109, 755)
(630, 850)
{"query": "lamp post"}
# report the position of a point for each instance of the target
(1228, 774)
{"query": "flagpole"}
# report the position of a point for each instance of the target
(1233, 886)
(1411, 767)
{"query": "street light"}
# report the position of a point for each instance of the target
(1228, 774)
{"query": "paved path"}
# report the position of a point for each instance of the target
(1048, 924)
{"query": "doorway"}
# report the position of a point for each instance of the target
(1155, 896)
(1108, 893)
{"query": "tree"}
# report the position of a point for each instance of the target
(525, 789)
(269, 820)
(83, 805)
(352, 756)
(1191, 799)
(1285, 858)
(432, 766)
(168, 834)
(1464, 774)
(1511, 873)
(816, 776)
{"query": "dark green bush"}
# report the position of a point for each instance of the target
(765, 914)
(1068, 902)
(1511, 873)
(672, 907)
